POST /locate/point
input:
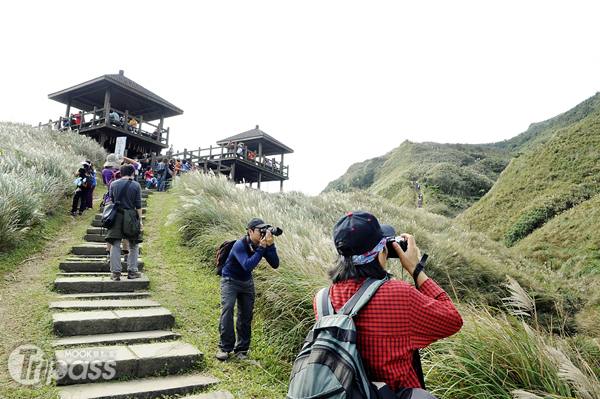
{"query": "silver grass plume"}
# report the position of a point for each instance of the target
(519, 301)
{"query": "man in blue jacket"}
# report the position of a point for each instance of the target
(237, 285)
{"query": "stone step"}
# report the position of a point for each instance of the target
(222, 394)
(106, 304)
(112, 321)
(98, 222)
(148, 388)
(83, 274)
(94, 238)
(107, 295)
(71, 285)
(91, 265)
(98, 216)
(117, 362)
(89, 249)
(97, 230)
(136, 337)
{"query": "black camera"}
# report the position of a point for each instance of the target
(276, 231)
(390, 242)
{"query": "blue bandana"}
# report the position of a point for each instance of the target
(367, 257)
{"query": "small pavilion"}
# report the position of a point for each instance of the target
(112, 106)
(248, 157)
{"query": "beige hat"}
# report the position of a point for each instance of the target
(113, 161)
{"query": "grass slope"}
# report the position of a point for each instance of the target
(468, 265)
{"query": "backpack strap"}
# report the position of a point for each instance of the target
(362, 296)
(249, 250)
(246, 240)
(324, 306)
(122, 193)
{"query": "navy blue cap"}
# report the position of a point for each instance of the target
(256, 223)
(359, 232)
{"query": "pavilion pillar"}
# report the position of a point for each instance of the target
(68, 108)
(107, 103)
(259, 179)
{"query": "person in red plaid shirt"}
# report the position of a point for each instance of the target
(399, 318)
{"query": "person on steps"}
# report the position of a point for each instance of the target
(127, 225)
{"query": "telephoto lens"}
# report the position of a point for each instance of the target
(276, 231)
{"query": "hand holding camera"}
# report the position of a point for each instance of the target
(267, 235)
(406, 250)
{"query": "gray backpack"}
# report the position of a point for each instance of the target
(329, 365)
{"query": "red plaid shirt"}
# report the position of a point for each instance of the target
(397, 320)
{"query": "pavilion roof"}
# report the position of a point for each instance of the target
(125, 95)
(251, 138)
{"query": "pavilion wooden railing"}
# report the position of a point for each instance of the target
(98, 116)
(218, 153)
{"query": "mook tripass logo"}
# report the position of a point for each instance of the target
(28, 365)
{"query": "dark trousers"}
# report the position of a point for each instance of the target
(242, 293)
(80, 194)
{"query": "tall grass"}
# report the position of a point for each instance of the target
(511, 356)
(470, 267)
(36, 172)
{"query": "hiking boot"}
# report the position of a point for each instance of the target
(80, 213)
(132, 275)
(115, 277)
(242, 356)
(222, 355)
(72, 213)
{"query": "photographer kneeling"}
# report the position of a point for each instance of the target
(237, 285)
(399, 319)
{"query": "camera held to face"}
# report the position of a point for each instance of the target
(390, 242)
(276, 231)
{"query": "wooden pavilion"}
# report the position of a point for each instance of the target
(248, 157)
(112, 106)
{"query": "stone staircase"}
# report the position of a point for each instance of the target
(115, 341)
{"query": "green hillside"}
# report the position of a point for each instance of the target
(534, 188)
(452, 176)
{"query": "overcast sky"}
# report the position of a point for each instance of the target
(337, 81)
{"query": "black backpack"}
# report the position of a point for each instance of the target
(225, 249)
(86, 180)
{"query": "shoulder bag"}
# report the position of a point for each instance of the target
(110, 211)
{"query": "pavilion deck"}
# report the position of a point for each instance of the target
(98, 118)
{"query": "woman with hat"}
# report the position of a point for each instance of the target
(399, 319)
